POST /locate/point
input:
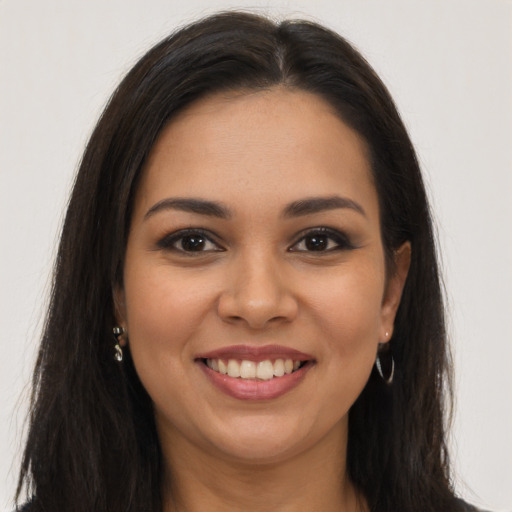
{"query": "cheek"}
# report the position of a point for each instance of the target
(348, 311)
(163, 312)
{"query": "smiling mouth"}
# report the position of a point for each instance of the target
(251, 370)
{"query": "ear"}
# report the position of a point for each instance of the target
(393, 292)
(120, 310)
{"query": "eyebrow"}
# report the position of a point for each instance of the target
(192, 205)
(313, 205)
(298, 208)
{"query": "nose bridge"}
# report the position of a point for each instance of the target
(258, 291)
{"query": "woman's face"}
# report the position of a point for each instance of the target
(255, 248)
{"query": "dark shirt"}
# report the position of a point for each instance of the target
(466, 507)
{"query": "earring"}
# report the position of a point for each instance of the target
(118, 332)
(389, 379)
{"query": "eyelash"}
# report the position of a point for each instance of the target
(328, 235)
(169, 242)
(329, 239)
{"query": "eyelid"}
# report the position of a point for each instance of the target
(168, 241)
(342, 240)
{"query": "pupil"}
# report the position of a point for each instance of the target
(316, 243)
(192, 243)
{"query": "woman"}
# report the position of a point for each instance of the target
(246, 311)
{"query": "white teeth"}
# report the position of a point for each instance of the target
(245, 369)
(233, 368)
(248, 370)
(265, 370)
(279, 368)
(222, 366)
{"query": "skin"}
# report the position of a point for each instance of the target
(256, 281)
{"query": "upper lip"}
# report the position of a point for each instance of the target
(256, 353)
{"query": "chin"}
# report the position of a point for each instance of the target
(260, 452)
(262, 441)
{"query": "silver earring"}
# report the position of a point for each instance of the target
(118, 332)
(389, 379)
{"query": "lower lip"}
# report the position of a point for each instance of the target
(252, 389)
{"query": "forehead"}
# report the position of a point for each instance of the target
(272, 145)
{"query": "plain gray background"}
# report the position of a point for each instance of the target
(448, 65)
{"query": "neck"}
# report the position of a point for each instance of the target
(312, 480)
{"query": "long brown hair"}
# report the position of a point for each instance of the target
(92, 442)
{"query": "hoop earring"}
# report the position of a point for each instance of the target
(389, 379)
(118, 332)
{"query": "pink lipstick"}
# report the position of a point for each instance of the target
(255, 373)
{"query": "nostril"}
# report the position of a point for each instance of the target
(257, 314)
(257, 295)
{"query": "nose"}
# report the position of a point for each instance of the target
(257, 293)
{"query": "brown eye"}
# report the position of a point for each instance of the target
(188, 242)
(192, 243)
(322, 240)
(316, 242)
